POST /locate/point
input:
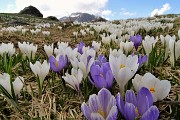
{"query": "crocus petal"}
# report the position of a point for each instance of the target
(62, 62)
(52, 61)
(18, 85)
(151, 114)
(163, 88)
(94, 70)
(96, 116)
(94, 103)
(130, 111)
(120, 104)
(130, 97)
(112, 114)
(86, 111)
(104, 97)
(99, 82)
(144, 100)
(109, 79)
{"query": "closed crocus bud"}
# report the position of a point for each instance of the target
(106, 40)
(148, 44)
(74, 79)
(17, 83)
(71, 53)
(61, 50)
(126, 46)
(179, 34)
(96, 45)
(40, 70)
(27, 49)
(46, 33)
(158, 88)
(49, 49)
(174, 48)
(7, 48)
(115, 52)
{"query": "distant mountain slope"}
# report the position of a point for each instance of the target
(81, 17)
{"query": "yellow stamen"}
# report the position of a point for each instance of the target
(57, 64)
(152, 90)
(121, 66)
(101, 75)
(101, 113)
(137, 112)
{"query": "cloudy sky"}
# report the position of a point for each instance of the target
(110, 9)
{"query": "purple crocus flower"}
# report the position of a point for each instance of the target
(100, 60)
(137, 107)
(101, 73)
(80, 46)
(58, 63)
(101, 106)
(142, 59)
(137, 40)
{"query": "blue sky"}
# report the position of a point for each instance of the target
(110, 9)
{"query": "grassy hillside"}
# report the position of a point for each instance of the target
(62, 102)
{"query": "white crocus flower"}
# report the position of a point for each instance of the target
(71, 53)
(159, 88)
(40, 70)
(179, 34)
(148, 44)
(106, 40)
(75, 34)
(115, 52)
(61, 48)
(83, 63)
(74, 79)
(7, 48)
(123, 68)
(89, 51)
(126, 46)
(165, 42)
(17, 83)
(49, 49)
(27, 49)
(96, 45)
(46, 33)
(174, 52)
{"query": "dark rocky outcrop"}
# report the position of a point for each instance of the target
(53, 18)
(31, 10)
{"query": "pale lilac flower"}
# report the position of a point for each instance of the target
(101, 73)
(137, 40)
(137, 107)
(58, 63)
(101, 106)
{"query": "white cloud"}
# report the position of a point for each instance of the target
(106, 12)
(161, 11)
(61, 8)
(124, 12)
